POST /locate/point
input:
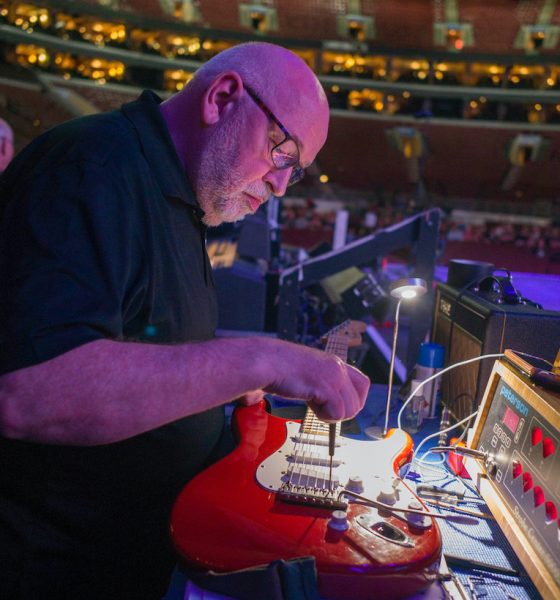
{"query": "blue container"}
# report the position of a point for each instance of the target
(431, 355)
(430, 360)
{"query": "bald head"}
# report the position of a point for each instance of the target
(271, 71)
(225, 136)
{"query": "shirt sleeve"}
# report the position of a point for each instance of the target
(70, 258)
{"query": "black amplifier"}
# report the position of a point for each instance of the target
(468, 325)
(517, 434)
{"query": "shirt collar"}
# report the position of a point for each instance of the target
(158, 147)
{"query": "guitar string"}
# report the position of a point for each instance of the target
(296, 458)
(305, 443)
(311, 426)
(314, 444)
(331, 345)
(338, 348)
(309, 429)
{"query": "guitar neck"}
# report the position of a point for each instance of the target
(313, 426)
(337, 344)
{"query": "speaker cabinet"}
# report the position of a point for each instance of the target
(470, 326)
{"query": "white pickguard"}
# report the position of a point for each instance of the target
(306, 465)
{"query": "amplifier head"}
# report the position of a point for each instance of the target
(517, 430)
(469, 326)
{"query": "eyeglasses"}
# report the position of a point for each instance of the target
(285, 155)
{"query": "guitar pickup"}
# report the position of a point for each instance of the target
(313, 459)
(315, 440)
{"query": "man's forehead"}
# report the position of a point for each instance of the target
(304, 113)
(310, 139)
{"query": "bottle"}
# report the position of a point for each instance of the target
(430, 360)
(415, 409)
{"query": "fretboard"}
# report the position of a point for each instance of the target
(337, 344)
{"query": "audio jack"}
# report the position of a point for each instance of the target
(488, 459)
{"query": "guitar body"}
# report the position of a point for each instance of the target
(232, 515)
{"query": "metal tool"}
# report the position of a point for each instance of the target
(460, 561)
(464, 511)
(332, 442)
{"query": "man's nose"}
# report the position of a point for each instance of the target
(278, 180)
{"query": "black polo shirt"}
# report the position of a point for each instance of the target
(100, 237)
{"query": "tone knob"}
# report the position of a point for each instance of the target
(355, 484)
(416, 520)
(338, 521)
(387, 495)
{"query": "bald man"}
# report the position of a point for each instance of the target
(112, 386)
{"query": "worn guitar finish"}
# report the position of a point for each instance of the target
(271, 498)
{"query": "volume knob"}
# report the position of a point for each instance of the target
(387, 495)
(338, 521)
(416, 520)
(355, 484)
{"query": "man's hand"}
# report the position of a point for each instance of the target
(334, 390)
(132, 387)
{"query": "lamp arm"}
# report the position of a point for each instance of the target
(391, 368)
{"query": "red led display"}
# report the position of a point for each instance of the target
(510, 420)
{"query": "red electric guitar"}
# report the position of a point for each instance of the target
(271, 498)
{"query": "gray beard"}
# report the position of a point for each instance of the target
(219, 173)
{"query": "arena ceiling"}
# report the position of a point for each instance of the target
(493, 25)
(387, 152)
(455, 160)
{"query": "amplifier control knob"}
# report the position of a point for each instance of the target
(547, 447)
(551, 512)
(538, 496)
(527, 481)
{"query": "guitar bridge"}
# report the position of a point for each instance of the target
(316, 498)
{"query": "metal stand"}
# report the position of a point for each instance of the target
(418, 232)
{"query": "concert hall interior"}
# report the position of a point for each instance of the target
(421, 245)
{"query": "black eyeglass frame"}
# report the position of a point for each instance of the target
(298, 171)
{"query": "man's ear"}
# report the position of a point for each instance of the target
(226, 89)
